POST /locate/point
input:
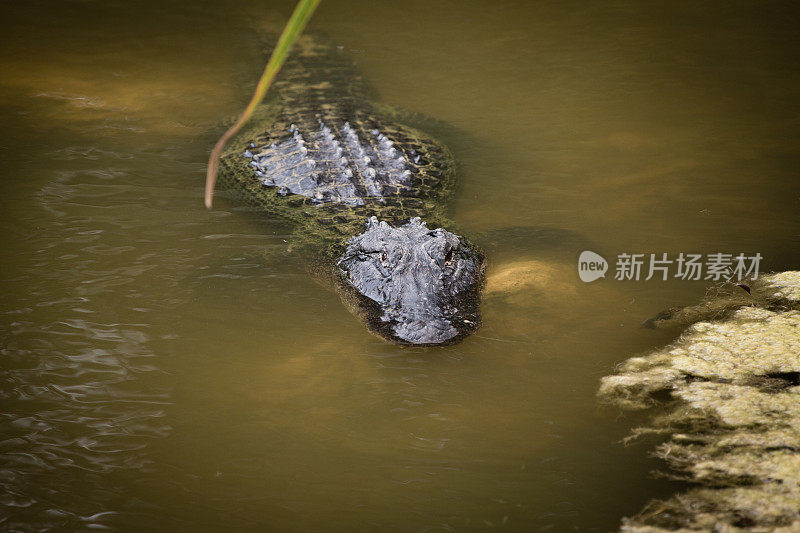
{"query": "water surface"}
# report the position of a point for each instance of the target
(158, 372)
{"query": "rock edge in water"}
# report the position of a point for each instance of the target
(732, 413)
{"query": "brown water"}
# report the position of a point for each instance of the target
(157, 373)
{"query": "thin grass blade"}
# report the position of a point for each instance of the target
(300, 17)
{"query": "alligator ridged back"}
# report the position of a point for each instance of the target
(319, 154)
(320, 80)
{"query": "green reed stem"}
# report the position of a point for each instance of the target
(300, 17)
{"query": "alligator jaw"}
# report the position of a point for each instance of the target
(413, 285)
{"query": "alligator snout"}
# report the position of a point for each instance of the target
(432, 332)
(414, 285)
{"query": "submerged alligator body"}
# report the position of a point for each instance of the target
(366, 194)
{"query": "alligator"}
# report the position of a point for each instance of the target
(366, 194)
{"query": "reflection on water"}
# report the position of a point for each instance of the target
(159, 371)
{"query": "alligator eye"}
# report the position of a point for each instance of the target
(384, 257)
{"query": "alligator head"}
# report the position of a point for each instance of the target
(411, 284)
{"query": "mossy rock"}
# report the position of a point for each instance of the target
(732, 413)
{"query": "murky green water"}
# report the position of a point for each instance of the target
(157, 374)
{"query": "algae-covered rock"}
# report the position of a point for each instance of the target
(732, 413)
(776, 292)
